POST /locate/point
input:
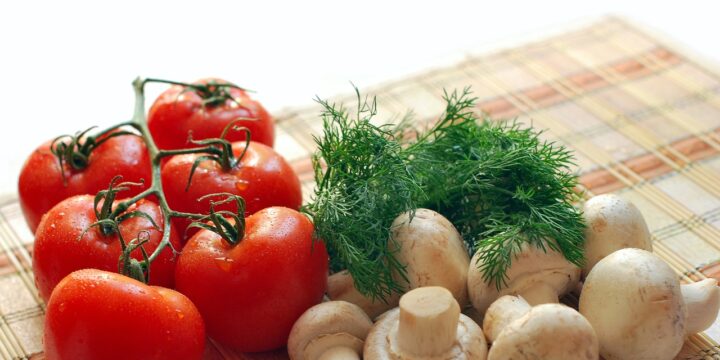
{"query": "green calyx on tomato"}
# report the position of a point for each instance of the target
(108, 221)
(218, 150)
(79, 165)
(133, 268)
(212, 92)
(217, 221)
(204, 108)
(75, 150)
(108, 217)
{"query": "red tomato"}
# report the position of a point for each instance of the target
(94, 314)
(59, 249)
(180, 110)
(41, 183)
(263, 178)
(251, 294)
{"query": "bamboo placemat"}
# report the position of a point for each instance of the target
(642, 118)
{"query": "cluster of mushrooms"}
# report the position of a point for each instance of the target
(631, 303)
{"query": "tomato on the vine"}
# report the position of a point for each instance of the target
(251, 293)
(262, 177)
(99, 315)
(42, 184)
(65, 242)
(182, 111)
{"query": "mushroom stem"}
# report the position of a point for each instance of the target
(702, 301)
(340, 353)
(538, 274)
(540, 293)
(501, 313)
(428, 321)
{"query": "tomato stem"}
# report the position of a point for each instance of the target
(140, 123)
(199, 150)
(229, 225)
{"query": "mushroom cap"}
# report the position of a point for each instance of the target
(383, 342)
(612, 223)
(633, 300)
(433, 251)
(332, 322)
(547, 331)
(341, 286)
(531, 267)
(501, 313)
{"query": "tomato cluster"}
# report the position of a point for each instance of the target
(250, 271)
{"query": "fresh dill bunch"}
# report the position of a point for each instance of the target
(500, 185)
(497, 182)
(363, 183)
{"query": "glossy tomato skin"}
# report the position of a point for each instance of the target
(59, 250)
(251, 294)
(179, 111)
(99, 315)
(41, 186)
(263, 178)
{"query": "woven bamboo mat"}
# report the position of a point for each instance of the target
(642, 118)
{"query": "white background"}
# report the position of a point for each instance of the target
(66, 65)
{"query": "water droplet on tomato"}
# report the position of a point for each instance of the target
(179, 314)
(61, 308)
(224, 263)
(241, 185)
(61, 214)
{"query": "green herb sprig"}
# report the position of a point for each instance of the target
(363, 182)
(500, 185)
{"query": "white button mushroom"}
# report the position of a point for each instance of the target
(613, 223)
(634, 302)
(434, 255)
(548, 331)
(333, 330)
(536, 275)
(427, 325)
